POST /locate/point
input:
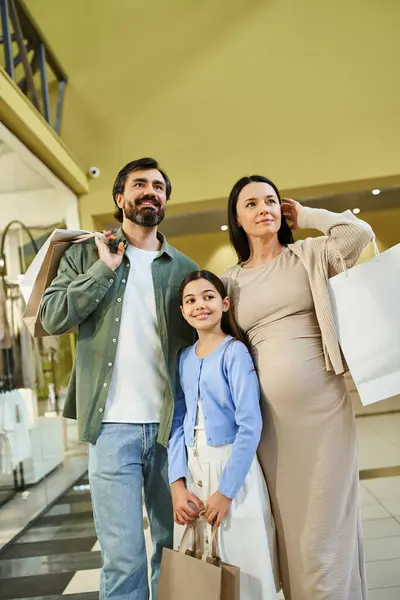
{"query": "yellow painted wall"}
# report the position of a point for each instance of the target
(210, 251)
(386, 225)
(304, 91)
(213, 251)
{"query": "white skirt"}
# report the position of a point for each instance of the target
(247, 535)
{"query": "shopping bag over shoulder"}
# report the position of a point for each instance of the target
(365, 304)
(42, 272)
(195, 575)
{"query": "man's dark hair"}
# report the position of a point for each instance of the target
(136, 165)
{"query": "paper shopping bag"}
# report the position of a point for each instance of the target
(193, 575)
(365, 305)
(41, 273)
(230, 582)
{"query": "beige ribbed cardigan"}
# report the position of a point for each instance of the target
(345, 237)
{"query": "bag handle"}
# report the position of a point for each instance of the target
(376, 252)
(185, 539)
(213, 550)
(214, 546)
(88, 236)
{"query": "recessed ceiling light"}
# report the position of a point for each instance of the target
(224, 227)
(356, 211)
(376, 192)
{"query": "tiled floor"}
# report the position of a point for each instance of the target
(59, 555)
(46, 557)
(25, 507)
(379, 441)
(59, 558)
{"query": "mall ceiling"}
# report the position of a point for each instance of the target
(214, 90)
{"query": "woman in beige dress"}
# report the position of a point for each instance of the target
(308, 449)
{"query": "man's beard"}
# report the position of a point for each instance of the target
(144, 216)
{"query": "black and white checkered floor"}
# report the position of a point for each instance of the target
(58, 557)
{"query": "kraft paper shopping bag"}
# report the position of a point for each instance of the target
(196, 575)
(43, 271)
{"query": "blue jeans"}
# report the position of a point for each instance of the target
(125, 460)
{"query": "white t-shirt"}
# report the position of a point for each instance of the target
(139, 377)
(199, 416)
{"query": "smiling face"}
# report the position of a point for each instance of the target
(144, 198)
(203, 306)
(258, 210)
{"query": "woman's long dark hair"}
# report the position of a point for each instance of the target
(237, 235)
(229, 324)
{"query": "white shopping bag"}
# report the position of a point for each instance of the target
(43, 270)
(366, 307)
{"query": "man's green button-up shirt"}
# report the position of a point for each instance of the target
(87, 293)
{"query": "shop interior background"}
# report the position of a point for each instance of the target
(301, 92)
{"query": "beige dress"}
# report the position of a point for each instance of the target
(308, 449)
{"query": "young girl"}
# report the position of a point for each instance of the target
(215, 434)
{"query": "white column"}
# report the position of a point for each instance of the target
(12, 253)
(72, 218)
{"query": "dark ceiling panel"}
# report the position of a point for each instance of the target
(210, 221)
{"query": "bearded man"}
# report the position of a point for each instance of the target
(124, 297)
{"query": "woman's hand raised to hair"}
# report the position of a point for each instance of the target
(290, 210)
